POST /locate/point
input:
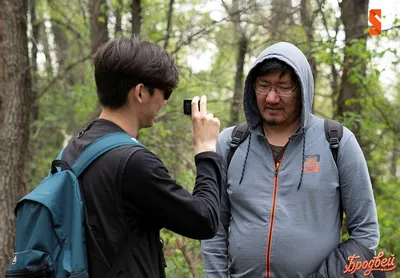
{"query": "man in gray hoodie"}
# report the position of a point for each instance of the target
(280, 208)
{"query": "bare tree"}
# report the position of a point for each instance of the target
(169, 23)
(15, 108)
(98, 28)
(334, 77)
(187, 255)
(242, 46)
(98, 23)
(307, 18)
(136, 17)
(61, 43)
(34, 66)
(43, 40)
(280, 19)
(395, 154)
(118, 17)
(354, 17)
(241, 42)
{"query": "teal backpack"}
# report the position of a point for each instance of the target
(50, 237)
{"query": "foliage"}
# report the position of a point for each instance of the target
(67, 95)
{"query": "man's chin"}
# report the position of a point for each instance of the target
(272, 122)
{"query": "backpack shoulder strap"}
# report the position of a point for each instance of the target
(239, 134)
(101, 146)
(333, 133)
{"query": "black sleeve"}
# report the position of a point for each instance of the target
(148, 186)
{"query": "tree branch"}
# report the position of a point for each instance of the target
(335, 75)
(169, 21)
(66, 25)
(381, 112)
(187, 40)
(225, 6)
(63, 74)
(187, 254)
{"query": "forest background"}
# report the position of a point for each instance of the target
(47, 89)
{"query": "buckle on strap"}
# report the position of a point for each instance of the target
(235, 142)
(334, 142)
(236, 139)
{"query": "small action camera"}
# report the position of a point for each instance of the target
(187, 106)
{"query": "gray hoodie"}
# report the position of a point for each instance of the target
(284, 222)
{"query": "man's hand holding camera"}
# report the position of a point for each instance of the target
(205, 126)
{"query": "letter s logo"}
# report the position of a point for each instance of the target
(376, 27)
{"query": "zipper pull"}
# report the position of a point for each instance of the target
(80, 134)
(277, 168)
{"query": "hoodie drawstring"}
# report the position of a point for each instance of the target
(302, 159)
(245, 159)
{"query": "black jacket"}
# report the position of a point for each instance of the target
(127, 194)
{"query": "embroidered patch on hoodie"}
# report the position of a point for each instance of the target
(311, 163)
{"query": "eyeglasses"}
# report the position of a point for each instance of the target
(282, 91)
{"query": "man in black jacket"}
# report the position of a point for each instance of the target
(129, 194)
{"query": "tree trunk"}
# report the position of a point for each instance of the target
(395, 154)
(169, 23)
(241, 48)
(334, 78)
(34, 66)
(98, 23)
(281, 18)
(15, 105)
(46, 50)
(136, 17)
(98, 27)
(334, 86)
(61, 42)
(354, 15)
(308, 21)
(187, 255)
(118, 18)
(238, 93)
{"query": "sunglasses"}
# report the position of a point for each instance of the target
(167, 93)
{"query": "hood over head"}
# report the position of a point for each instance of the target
(291, 55)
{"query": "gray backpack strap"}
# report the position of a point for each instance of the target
(239, 134)
(333, 133)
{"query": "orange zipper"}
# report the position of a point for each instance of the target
(272, 218)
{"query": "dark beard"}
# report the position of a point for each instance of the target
(270, 122)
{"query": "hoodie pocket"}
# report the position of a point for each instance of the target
(31, 264)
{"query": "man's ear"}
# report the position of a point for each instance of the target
(137, 93)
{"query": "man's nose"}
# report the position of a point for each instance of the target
(273, 96)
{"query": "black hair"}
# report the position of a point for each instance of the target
(122, 63)
(275, 65)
